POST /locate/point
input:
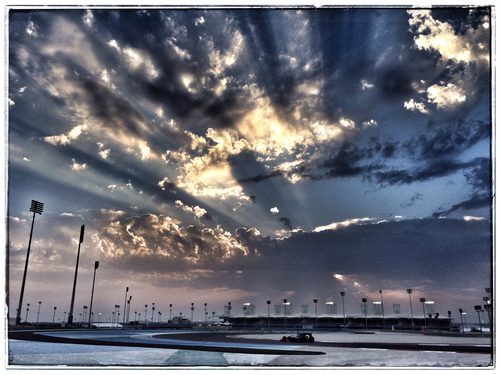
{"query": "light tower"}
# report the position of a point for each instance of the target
(36, 208)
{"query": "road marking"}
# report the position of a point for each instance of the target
(373, 349)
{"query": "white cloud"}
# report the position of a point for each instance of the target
(446, 96)
(164, 183)
(104, 153)
(78, 167)
(137, 59)
(67, 214)
(199, 21)
(11, 102)
(65, 139)
(114, 44)
(474, 218)
(26, 159)
(112, 187)
(22, 89)
(197, 211)
(32, 29)
(369, 123)
(182, 53)
(274, 210)
(414, 106)
(162, 237)
(345, 223)
(347, 123)
(365, 85)
(434, 35)
(88, 18)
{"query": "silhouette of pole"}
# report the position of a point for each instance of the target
(316, 310)
(205, 305)
(192, 311)
(170, 311)
(462, 319)
(36, 208)
(422, 300)
(409, 291)
(382, 303)
(478, 309)
(268, 314)
(342, 294)
(125, 305)
(363, 300)
(54, 315)
(70, 317)
(96, 266)
(27, 311)
(284, 305)
(38, 313)
(128, 308)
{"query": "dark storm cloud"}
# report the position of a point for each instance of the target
(287, 223)
(413, 200)
(393, 251)
(448, 140)
(480, 180)
(434, 169)
(476, 201)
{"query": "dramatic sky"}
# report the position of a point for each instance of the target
(250, 154)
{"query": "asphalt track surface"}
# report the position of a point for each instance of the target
(223, 342)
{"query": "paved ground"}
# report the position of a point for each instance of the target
(374, 349)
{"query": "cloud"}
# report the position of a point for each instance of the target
(199, 21)
(447, 139)
(165, 184)
(445, 96)
(274, 210)
(434, 35)
(463, 53)
(414, 106)
(474, 218)
(365, 85)
(66, 139)
(345, 223)
(164, 239)
(197, 211)
(88, 18)
(75, 166)
(431, 170)
(32, 29)
(287, 223)
(370, 123)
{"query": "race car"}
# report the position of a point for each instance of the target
(299, 337)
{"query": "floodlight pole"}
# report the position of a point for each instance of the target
(125, 305)
(315, 300)
(342, 294)
(409, 291)
(36, 208)
(96, 266)
(70, 316)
